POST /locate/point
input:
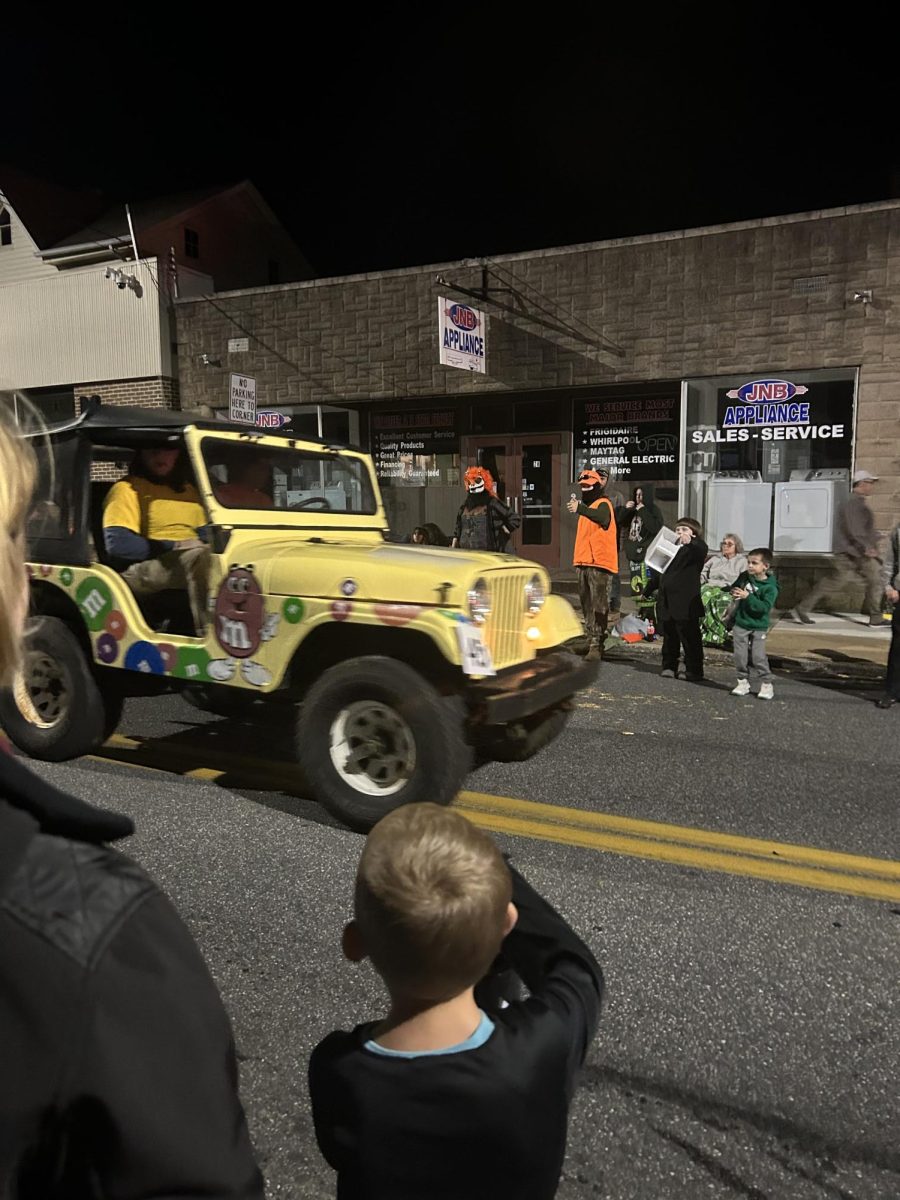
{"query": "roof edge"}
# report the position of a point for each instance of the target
(847, 210)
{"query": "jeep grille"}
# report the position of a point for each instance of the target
(505, 628)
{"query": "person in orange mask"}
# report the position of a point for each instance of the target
(596, 557)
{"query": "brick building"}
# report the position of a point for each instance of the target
(714, 363)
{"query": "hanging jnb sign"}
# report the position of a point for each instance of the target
(461, 336)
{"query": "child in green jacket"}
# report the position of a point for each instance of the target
(756, 591)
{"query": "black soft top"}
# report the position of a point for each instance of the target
(111, 425)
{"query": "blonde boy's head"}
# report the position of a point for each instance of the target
(432, 901)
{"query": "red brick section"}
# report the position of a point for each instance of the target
(154, 392)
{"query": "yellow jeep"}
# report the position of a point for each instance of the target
(403, 665)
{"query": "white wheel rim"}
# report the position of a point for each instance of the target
(372, 748)
(41, 691)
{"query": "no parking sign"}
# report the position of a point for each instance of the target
(242, 399)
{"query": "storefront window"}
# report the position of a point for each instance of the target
(416, 456)
(769, 456)
(634, 431)
(416, 449)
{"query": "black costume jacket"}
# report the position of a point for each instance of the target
(483, 1124)
(679, 586)
(496, 516)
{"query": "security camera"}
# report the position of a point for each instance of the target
(121, 282)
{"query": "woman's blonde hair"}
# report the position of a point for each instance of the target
(17, 479)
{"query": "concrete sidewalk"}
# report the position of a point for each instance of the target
(843, 641)
(839, 644)
(837, 647)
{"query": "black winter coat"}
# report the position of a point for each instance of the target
(651, 522)
(498, 516)
(678, 587)
(118, 1068)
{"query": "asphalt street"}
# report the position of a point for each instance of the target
(750, 1044)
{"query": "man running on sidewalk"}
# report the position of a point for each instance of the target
(856, 555)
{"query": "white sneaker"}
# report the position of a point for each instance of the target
(766, 691)
(742, 689)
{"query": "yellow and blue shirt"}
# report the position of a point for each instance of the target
(151, 513)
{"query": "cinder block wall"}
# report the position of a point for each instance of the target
(767, 296)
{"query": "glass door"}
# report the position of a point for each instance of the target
(538, 536)
(526, 474)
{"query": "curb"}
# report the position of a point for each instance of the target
(859, 671)
(853, 671)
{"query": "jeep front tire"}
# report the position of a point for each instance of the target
(374, 734)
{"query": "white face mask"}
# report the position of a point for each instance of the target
(475, 488)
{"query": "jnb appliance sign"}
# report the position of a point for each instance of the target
(461, 336)
(770, 410)
(271, 418)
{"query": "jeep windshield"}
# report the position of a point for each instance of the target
(286, 478)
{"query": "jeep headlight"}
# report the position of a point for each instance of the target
(479, 599)
(535, 596)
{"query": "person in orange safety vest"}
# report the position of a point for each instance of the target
(596, 557)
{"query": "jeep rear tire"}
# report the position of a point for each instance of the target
(373, 734)
(56, 709)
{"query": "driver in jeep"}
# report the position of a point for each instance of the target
(249, 481)
(151, 521)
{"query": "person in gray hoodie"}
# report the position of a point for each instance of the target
(856, 554)
(892, 591)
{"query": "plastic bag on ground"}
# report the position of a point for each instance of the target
(632, 628)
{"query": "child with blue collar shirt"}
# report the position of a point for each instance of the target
(439, 1099)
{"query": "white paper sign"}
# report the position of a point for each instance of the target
(242, 399)
(476, 658)
(462, 336)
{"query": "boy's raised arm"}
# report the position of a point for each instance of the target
(557, 967)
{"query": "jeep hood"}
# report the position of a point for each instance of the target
(386, 572)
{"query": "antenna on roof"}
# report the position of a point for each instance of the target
(131, 231)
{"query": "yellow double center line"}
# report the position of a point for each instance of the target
(757, 858)
(677, 845)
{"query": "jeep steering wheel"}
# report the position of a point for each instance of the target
(312, 502)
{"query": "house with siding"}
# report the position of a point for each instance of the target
(87, 286)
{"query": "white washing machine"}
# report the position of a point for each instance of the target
(738, 502)
(806, 510)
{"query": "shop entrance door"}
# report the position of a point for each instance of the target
(526, 471)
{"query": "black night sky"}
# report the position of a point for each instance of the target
(383, 140)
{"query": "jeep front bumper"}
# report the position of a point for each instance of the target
(529, 688)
